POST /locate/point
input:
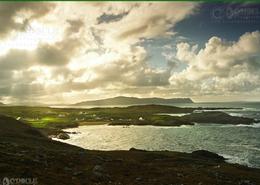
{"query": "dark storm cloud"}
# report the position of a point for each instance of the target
(107, 18)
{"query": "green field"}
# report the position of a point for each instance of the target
(45, 117)
(59, 118)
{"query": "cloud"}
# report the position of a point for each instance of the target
(105, 53)
(131, 69)
(108, 18)
(16, 59)
(17, 16)
(62, 51)
(20, 76)
(221, 66)
(57, 54)
(75, 27)
(145, 21)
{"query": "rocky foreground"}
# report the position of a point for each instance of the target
(26, 153)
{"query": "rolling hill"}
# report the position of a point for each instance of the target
(122, 100)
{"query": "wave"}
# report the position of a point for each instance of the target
(159, 127)
(236, 114)
(237, 160)
(174, 114)
(246, 146)
(250, 109)
(254, 125)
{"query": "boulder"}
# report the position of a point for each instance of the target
(207, 154)
(63, 136)
(136, 150)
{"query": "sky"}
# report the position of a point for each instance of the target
(67, 52)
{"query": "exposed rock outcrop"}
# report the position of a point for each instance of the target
(208, 155)
(63, 136)
(216, 117)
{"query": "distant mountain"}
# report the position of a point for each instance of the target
(1, 104)
(122, 100)
(29, 104)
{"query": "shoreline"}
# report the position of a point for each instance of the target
(28, 153)
(81, 134)
(53, 119)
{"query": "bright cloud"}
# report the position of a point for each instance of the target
(221, 66)
(68, 52)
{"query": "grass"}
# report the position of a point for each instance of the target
(59, 118)
(45, 121)
(45, 117)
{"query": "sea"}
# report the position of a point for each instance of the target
(237, 143)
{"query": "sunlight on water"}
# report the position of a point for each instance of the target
(243, 148)
(238, 143)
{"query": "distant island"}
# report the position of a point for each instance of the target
(122, 100)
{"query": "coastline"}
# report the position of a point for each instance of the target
(30, 154)
(211, 137)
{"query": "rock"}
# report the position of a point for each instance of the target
(138, 179)
(136, 150)
(71, 132)
(67, 169)
(77, 173)
(118, 160)
(103, 159)
(216, 117)
(245, 182)
(99, 173)
(180, 175)
(41, 156)
(98, 168)
(141, 119)
(207, 154)
(63, 136)
(36, 161)
(51, 136)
